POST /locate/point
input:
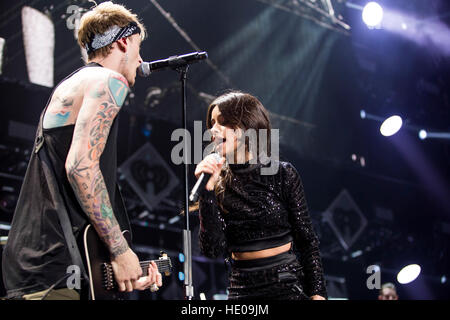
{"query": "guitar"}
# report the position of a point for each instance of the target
(102, 284)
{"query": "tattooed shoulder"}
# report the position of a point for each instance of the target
(118, 86)
(61, 108)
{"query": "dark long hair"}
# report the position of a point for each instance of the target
(239, 110)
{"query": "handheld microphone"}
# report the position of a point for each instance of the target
(146, 68)
(200, 185)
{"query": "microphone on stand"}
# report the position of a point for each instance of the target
(200, 185)
(146, 68)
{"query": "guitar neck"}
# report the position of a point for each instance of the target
(162, 264)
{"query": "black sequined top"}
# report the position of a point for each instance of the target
(262, 211)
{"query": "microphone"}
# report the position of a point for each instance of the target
(200, 185)
(146, 68)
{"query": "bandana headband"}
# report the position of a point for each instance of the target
(111, 35)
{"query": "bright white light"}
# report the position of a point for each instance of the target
(391, 125)
(2, 44)
(443, 279)
(362, 113)
(408, 274)
(422, 134)
(39, 42)
(372, 14)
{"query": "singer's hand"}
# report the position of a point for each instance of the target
(211, 166)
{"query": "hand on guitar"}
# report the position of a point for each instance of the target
(153, 277)
(127, 270)
(128, 273)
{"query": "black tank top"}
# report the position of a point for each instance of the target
(35, 256)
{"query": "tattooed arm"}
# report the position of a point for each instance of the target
(103, 98)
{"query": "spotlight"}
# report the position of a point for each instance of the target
(422, 134)
(372, 14)
(362, 113)
(2, 45)
(365, 115)
(408, 274)
(39, 43)
(391, 126)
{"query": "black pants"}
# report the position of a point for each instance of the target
(274, 278)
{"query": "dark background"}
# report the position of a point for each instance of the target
(314, 80)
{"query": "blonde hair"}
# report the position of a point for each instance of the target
(102, 17)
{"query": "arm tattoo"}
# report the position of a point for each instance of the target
(84, 172)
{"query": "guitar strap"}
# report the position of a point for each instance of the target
(63, 217)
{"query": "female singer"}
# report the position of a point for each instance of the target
(259, 221)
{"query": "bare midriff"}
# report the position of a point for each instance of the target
(261, 253)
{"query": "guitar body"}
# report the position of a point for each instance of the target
(102, 285)
(96, 255)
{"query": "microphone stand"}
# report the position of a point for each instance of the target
(181, 65)
(187, 245)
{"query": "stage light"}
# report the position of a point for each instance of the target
(147, 129)
(39, 43)
(182, 259)
(2, 45)
(408, 274)
(443, 279)
(362, 162)
(362, 113)
(174, 219)
(422, 134)
(356, 254)
(372, 14)
(220, 296)
(391, 126)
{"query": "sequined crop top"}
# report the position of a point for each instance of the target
(262, 211)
